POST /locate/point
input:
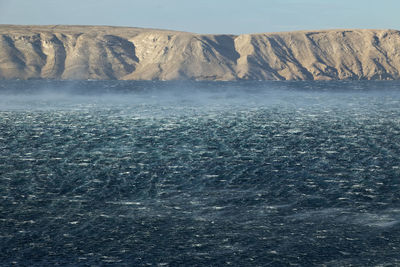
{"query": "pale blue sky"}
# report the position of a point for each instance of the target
(207, 16)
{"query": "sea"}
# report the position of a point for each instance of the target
(157, 173)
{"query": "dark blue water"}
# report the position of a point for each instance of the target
(199, 174)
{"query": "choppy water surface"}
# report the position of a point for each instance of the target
(200, 174)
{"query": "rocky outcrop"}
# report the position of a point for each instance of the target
(100, 52)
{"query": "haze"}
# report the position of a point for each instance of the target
(170, 98)
(207, 16)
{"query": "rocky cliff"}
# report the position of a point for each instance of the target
(100, 52)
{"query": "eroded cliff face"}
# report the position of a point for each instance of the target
(97, 52)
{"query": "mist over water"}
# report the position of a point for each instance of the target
(199, 173)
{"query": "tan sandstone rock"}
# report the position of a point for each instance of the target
(101, 52)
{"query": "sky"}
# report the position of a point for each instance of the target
(207, 16)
